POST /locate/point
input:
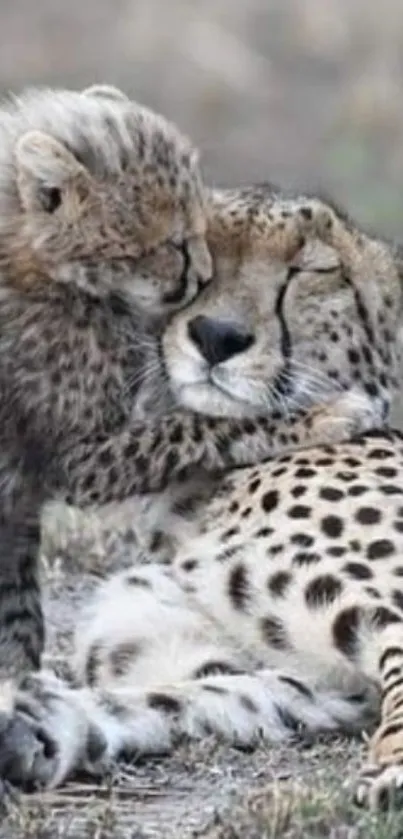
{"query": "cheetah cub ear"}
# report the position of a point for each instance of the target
(48, 174)
(106, 91)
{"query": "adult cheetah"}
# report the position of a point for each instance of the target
(282, 611)
(102, 234)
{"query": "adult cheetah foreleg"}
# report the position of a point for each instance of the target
(57, 731)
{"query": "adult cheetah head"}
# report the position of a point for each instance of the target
(289, 320)
(98, 191)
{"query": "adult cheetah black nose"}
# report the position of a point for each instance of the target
(218, 340)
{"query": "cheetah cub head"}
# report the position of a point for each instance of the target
(302, 306)
(99, 191)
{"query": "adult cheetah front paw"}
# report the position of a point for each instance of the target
(345, 416)
(45, 737)
(27, 752)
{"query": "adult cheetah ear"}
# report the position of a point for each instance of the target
(106, 91)
(46, 172)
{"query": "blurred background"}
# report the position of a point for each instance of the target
(306, 92)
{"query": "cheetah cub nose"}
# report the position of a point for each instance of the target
(218, 340)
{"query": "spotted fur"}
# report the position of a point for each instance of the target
(102, 236)
(280, 612)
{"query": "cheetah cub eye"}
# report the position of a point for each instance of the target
(108, 196)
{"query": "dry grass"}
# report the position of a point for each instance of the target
(214, 792)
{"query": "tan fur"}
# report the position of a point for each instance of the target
(128, 178)
(281, 609)
(102, 221)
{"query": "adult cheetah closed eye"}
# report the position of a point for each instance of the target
(282, 612)
(102, 235)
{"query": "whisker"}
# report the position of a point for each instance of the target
(142, 375)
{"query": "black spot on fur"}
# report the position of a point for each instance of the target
(383, 616)
(269, 500)
(336, 550)
(274, 633)
(277, 473)
(354, 545)
(353, 356)
(135, 580)
(322, 590)
(164, 702)
(189, 564)
(278, 583)
(345, 629)
(122, 655)
(305, 472)
(373, 592)
(215, 668)
(218, 689)
(390, 489)
(332, 526)
(92, 664)
(345, 476)
(264, 532)
(357, 489)
(105, 457)
(386, 471)
(228, 553)
(306, 558)
(380, 549)
(142, 464)
(298, 491)
(368, 515)
(273, 550)
(228, 534)
(380, 454)
(304, 540)
(397, 598)
(357, 570)
(254, 485)
(176, 435)
(299, 511)
(239, 590)
(248, 703)
(331, 494)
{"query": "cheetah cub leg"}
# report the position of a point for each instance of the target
(381, 781)
(57, 731)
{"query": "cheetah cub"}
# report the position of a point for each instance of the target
(281, 614)
(102, 235)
